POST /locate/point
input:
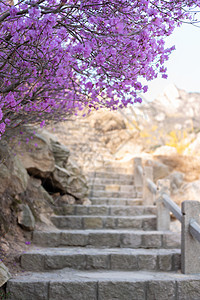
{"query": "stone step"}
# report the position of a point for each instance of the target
(46, 259)
(111, 210)
(113, 187)
(111, 175)
(110, 194)
(68, 284)
(109, 181)
(116, 201)
(110, 238)
(147, 222)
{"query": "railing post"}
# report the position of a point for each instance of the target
(163, 214)
(138, 178)
(190, 247)
(148, 196)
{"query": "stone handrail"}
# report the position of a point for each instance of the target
(172, 206)
(188, 215)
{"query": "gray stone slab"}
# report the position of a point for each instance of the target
(76, 238)
(106, 239)
(30, 290)
(51, 239)
(91, 258)
(188, 290)
(121, 290)
(165, 262)
(101, 261)
(93, 222)
(147, 262)
(73, 291)
(32, 261)
(165, 290)
(131, 240)
(152, 240)
(123, 261)
(53, 262)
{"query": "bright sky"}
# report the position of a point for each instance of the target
(184, 63)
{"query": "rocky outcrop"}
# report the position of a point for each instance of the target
(26, 218)
(36, 155)
(4, 274)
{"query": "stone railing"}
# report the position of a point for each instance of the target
(189, 214)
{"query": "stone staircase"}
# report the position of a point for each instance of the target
(106, 251)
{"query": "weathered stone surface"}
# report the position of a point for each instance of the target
(131, 240)
(70, 180)
(51, 239)
(40, 160)
(35, 290)
(165, 262)
(92, 222)
(147, 262)
(123, 262)
(68, 199)
(74, 239)
(97, 261)
(72, 290)
(32, 262)
(26, 218)
(4, 274)
(160, 170)
(5, 177)
(41, 202)
(106, 239)
(121, 289)
(61, 153)
(188, 290)
(172, 240)
(53, 262)
(152, 241)
(157, 290)
(19, 177)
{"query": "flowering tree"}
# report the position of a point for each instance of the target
(59, 56)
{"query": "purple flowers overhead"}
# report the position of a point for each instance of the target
(57, 57)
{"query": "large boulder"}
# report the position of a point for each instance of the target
(108, 121)
(61, 153)
(4, 178)
(188, 191)
(38, 198)
(4, 274)
(194, 147)
(36, 155)
(165, 150)
(160, 170)
(13, 175)
(26, 218)
(70, 180)
(19, 177)
(176, 181)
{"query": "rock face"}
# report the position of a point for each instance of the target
(61, 153)
(39, 169)
(70, 180)
(26, 218)
(36, 155)
(49, 160)
(13, 175)
(4, 274)
(108, 121)
(160, 170)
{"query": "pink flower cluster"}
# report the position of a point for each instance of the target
(57, 57)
